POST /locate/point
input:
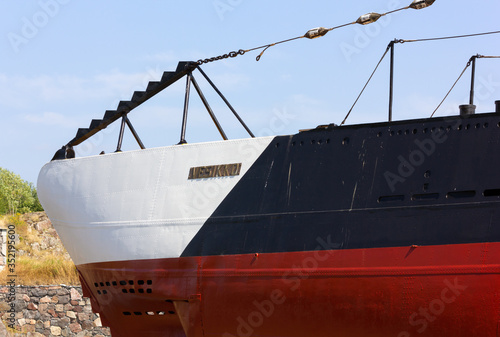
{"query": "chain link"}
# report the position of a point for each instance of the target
(220, 57)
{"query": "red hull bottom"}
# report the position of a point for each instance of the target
(398, 292)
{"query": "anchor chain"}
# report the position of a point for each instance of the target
(220, 57)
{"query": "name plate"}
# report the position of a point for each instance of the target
(214, 171)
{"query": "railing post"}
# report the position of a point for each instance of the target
(391, 80)
(473, 79)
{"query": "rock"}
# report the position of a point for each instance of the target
(42, 225)
(45, 299)
(28, 328)
(20, 305)
(82, 316)
(63, 299)
(43, 307)
(45, 317)
(35, 246)
(38, 292)
(32, 314)
(52, 311)
(22, 290)
(64, 322)
(87, 325)
(75, 295)
(62, 292)
(55, 330)
(75, 327)
(82, 334)
(34, 334)
(53, 242)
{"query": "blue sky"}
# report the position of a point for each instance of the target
(64, 62)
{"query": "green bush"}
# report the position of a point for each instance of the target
(17, 195)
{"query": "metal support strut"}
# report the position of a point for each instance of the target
(120, 137)
(136, 136)
(139, 97)
(126, 121)
(209, 109)
(227, 102)
(186, 104)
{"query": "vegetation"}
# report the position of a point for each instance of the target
(50, 269)
(17, 195)
(36, 262)
(35, 265)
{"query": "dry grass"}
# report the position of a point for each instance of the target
(36, 266)
(50, 269)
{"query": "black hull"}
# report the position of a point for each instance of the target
(420, 182)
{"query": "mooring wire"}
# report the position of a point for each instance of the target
(459, 77)
(452, 87)
(364, 20)
(361, 93)
(424, 40)
(447, 37)
(318, 32)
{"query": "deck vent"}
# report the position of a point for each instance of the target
(467, 109)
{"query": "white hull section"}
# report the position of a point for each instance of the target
(139, 204)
